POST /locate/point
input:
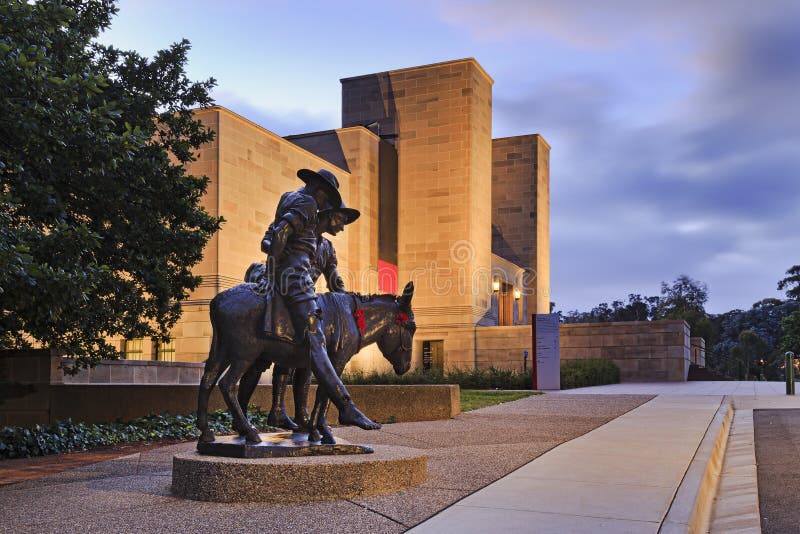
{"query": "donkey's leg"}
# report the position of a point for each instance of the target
(300, 384)
(213, 368)
(248, 383)
(237, 369)
(277, 414)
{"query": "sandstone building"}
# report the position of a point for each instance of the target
(465, 216)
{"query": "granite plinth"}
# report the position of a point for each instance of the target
(277, 445)
(297, 478)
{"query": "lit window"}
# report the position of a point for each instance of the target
(132, 349)
(164, 350)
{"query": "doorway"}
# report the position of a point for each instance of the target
(433, 355)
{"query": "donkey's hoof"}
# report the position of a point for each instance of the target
(251, 436)
(327, 438)
(206, 436)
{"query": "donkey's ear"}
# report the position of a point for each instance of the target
(408, 293)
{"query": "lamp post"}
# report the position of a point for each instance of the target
(789, 373)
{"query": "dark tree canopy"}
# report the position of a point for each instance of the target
(791, 283)
(638, 308)
(99, 222)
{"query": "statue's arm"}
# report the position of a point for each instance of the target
(331, 271)
(276, 237)
(293, 220)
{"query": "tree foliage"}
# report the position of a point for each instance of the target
(638, 308)
(790, 340)
(791, 283)
(99, 222)
(684, 298)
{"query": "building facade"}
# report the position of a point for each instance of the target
(465, 216)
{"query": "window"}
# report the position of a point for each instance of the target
(132, 349)
(164, 350)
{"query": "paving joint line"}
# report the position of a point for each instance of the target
(392, 519)
(556, 513)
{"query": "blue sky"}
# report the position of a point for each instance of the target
(675, 125)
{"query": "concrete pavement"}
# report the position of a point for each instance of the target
(625, 476)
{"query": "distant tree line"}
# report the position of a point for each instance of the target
(739, 343)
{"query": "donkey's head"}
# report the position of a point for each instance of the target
(397, 338)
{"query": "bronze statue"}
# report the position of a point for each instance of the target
(324, 263)
(296, 315)
(357, 321)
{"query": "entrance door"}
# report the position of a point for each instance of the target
(433, 355)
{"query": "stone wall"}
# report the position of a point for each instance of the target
(34, 390)
(654, 351)
(439, 118)
(657, 351)
(97, 403)
(698, 351)
(521, 211)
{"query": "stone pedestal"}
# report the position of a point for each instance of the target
(296, 479)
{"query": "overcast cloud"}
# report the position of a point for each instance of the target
(708, 187)
(674, 124)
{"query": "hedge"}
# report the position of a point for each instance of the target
(584, 373)
(67, 436)
(491, 378)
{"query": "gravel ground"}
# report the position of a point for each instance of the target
(464, 454)
(777, 437)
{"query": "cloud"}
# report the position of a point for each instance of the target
(280, 121)
(710, 188)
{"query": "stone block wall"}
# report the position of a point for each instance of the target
(521, 211)
(698, 351)
(657, 351)
(439, 117)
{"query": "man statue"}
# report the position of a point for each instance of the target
(324, 263)
(291, 242)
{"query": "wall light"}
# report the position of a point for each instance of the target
(517, 294)
(496, 286)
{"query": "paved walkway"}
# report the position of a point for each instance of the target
(618, 478)
(730, 388)
(621, 477)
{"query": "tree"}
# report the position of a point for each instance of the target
(99, 222)
(791, 283)
(638, 308)
(790, 340)
(750, 353)
(685, 299)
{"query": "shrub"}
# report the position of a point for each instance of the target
(491, 378)
(66, 436)
(583, 373)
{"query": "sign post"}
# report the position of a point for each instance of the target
(546, 361)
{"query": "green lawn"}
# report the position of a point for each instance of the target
(472, 399)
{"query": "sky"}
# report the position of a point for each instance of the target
(674, 125)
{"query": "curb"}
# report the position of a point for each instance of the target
(692, 507)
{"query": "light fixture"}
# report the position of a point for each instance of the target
(496, 286)
(517, 294)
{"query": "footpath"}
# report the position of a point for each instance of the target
(641, 472)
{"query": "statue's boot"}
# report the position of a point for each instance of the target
(301, 382)
(327, 377)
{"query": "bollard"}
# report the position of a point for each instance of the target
(789, 373)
